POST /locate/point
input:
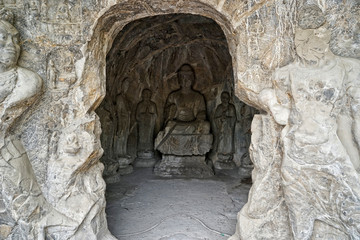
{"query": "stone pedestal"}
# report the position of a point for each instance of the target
(184, 146)
(117, 168)
(223, 162)
(124, 165)
(245, 172)
(183, 166)
(145, 159)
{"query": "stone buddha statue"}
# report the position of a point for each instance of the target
(186, 137)
(185, 104)
(185, 108)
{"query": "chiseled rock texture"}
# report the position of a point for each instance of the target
(312, 192)
(265, 215)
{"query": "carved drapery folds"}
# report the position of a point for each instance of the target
(29, 208)
(320, 182)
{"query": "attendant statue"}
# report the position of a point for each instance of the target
(123, 121)
(317, 98)
(52, 74)
(23, 207)
(146, 114)
(225, 120)
(123, 130)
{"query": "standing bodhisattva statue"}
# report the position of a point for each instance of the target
(225, 120)
(146, 114)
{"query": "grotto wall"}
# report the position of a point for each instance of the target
(65, 43)
(147, 54)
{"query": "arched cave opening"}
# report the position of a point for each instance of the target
(140, 129)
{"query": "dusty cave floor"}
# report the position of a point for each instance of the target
(143, 206)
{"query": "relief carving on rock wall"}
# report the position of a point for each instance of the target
(321, 185)
(50, 153)
(311, 166)
(48, 35)
(25, 213)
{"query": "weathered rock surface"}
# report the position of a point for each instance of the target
(265, 215)
(67, 43)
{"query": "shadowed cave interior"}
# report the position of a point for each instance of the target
(149, 196)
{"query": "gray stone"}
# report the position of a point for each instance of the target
(311, 143)
(145, 162)
(183, 166)
(146, 114)
(85, 50)
(187, 134)
(225, 120)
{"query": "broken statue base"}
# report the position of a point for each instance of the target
(223, 161)
(183, 166)
(145, 159)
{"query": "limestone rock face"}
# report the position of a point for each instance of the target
(320, 182)
(51, 176)
(266, 213)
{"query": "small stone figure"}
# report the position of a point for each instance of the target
(44, 10)
(72, 146)
(225, 120)
(146, 114)
(123, 121)
(62, 14)
(186, 138)
(52, 74)
(123, 129)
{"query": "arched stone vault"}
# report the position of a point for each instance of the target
(260, 37)
(110, 24)
(249, 78)
(65, 151)
(114, 18)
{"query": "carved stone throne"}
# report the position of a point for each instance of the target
(184, 145)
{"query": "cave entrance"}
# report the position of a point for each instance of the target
(143, 63)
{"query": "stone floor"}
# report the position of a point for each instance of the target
(143, 206)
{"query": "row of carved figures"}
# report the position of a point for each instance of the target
(183, 105)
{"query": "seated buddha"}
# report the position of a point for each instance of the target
(185, 119)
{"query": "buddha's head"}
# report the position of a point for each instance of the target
(146, 94)
(225, 98)
(186, 76)
(9, 46)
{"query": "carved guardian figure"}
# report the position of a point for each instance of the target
(321, 185)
